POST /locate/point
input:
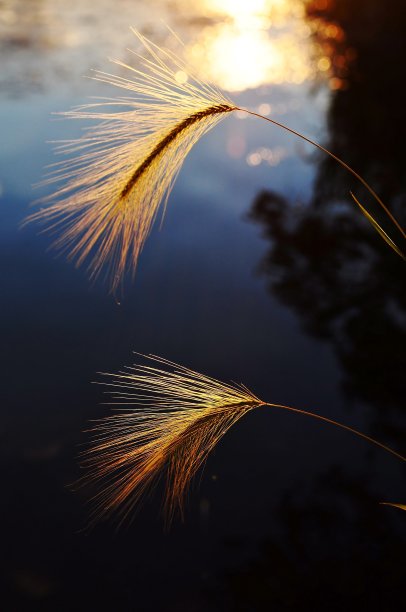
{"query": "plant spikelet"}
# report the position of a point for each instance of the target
(109, 188)
(167, 419)
(174, 417)
(117, 174)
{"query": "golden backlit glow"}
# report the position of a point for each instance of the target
(258, 13)
(119, 173)
(269, 42)
(115, 178)
(237, 44)
(324, 64)
(243, 59)
(239, 9)
(241, 52)
(330, 52)
(167, 420)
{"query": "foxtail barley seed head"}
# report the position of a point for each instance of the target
(172, 419)
(167, 419)
(109, 188)
(119, 172)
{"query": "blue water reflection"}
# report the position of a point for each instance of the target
(200, 297)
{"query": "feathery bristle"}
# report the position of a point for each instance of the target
(119, 172)
(117, 175)
(175, 416)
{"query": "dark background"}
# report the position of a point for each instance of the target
(261, 274)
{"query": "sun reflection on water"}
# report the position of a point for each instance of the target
(254, 43)
(237, 44)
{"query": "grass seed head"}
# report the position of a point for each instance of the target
(109, 187)
(167, 420)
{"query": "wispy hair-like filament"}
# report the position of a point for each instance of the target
(167, 419)
(174, 417)
(110, 187)
(119, 172)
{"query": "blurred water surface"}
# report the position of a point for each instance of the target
(263, 272)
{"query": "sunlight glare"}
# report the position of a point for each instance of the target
(255, 43)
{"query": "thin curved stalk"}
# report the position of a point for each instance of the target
(349, 169)
(337, 424)
(117, 175)
(167, 420)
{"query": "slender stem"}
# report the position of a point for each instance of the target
(337, 424)
(337, 159)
